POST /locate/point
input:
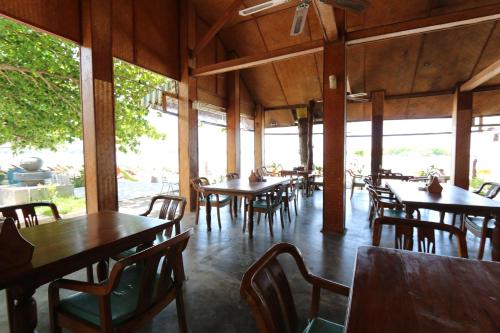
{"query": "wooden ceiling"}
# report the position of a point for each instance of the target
(423, 63)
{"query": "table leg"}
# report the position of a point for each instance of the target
(208, 207)
(495, 239)
(409, 212)
(250, 217)
(102, 270)
(235, 206)
(22, 311)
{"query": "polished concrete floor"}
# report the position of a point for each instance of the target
(215, 262)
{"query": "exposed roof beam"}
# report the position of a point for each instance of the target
(483, 76)
(285, 107)
(425, 25)
(217, 26)
(259, 59)
(326, 18)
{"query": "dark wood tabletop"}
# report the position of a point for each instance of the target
(65, 246)
(244, 186)
(452, 199)
(402, 291)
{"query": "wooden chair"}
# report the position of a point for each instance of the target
(139, 287)
(481, 226)
(384, 206)
(357, 181)
(29, 213)
(267, 291)
(216, 200)
(290, 196)
(425, 234)
(269, 206)
(233, 176)
(172, 209)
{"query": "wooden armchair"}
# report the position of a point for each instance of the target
(384, 206)
(172, 209)
(482, 226)
(425, 234)
(139, 287)
(357, 181)
(29, 213)
(216, 200)
(269, 206)
(266, 289)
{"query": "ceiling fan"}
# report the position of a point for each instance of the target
(303, 7)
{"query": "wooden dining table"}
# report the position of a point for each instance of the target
(66, 246)
(452, 199)
(242, 188)
(402, 291)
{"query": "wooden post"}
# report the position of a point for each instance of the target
(233, 122)
(334, 118)
(310, 123)
(259, 136)
(96, 71)
(378, 100)
(302, 125)
(462, 123)
(188, 117)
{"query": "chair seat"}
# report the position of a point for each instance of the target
(222, 199)
(395, 213)
(124, 300)
(262, 204)
(477, 222)
(320, 325)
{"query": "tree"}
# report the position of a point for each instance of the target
(40, 95)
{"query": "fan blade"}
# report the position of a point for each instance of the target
(354, 5)
(261, 7)
(299, 20)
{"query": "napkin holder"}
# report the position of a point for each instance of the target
(434, 186)
(256, 178)
(14, 249)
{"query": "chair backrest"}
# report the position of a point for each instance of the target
(292, 188)
(172, 209)
(267, 291)
(489, 190)
(197, 183)
(160, 270)
(425, 234)
(29, 213)
(277, 195)
(232, 175)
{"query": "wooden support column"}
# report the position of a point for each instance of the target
(259, 136)
(96, 62)
(233, 122)
(378, 100)
(302, 125)
(334, 122)
(462, 123)
(188, 117)
(310, 123)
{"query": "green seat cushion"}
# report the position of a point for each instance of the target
(260, 204)
(479, 221)
(319, 325)
(123, 300)
(395, 213)
(222, 198)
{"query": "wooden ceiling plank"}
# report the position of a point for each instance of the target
(217, 26)
(425, 25)
(326, 19)
(483, 76)
(260, 59)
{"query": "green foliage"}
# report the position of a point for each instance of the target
(79, 181)
(475, 183)
(40, 95)
(66, 205)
